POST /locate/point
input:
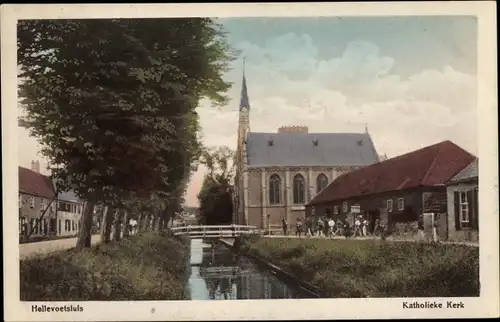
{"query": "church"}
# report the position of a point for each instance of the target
(278, 173)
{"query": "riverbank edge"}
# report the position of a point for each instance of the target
(473, 278)
(276, 270)
(147, 266)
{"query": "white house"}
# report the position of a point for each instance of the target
(69, 213)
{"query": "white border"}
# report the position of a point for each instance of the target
(485, 306)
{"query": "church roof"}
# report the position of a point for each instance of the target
(310, 149)
(244, 101)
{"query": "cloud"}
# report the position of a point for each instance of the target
(288, 83)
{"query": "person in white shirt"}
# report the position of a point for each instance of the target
(365, 227)
(331, 227)
(357, 227)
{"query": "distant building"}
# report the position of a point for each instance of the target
(403, 187)
(463, 210)
(36, 191)
(278, 173)
(69, 213)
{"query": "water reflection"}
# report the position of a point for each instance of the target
(219, 274)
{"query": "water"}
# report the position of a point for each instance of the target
(217, 273)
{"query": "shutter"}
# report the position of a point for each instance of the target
(475, 221)
(457, 210)
(470, 201)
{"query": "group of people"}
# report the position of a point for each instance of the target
(329, 227)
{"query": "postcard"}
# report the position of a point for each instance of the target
(250, 161)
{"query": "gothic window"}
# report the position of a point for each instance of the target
(321, 182)
(299, 189)
(274, 189)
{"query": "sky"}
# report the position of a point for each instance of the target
(410, 80)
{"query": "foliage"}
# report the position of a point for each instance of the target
(150, 266)
(215, 196)
(361, 268)
(112, 103)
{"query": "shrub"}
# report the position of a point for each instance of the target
(142, 267)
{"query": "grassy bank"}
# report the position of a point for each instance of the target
(366, 268)
(150, 266)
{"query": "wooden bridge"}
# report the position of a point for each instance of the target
(226, 231)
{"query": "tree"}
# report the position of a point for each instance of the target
(107, 100)
(215, 196)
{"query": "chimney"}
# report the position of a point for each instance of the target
(293, 129)
(35, 166)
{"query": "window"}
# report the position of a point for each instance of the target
(345, 206)
(336, 210)
(464, 208)
(299, 189)
(32, 224)
(32, 202)
(389, 205)
(59, 226)
(401, 203)
(20, 200)
(67, 225)
(274, 189)
(72, 225)
(42, 204)
(45, 226)
(321, 182)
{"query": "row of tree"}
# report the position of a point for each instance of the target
(112, 103)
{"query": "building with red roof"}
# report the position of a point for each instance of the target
(36, 194)
(402, 187)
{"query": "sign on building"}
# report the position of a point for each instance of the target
(356, 209)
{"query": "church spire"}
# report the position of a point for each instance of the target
(244, 102)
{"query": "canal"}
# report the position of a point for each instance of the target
(217, 273)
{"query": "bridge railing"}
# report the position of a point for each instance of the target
(214, 231)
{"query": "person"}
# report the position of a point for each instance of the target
(285, 226)
(376, 229)
(347, 230)
(331, 227)
(364, 227)
(321, 225)
(337, 228)
(309, 227)
(298, 231)
(357, 227)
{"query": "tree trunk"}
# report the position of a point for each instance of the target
(85, 232)
(109, 225)
(118, 225)
(106, 218)
(147, 222)
(158, 223)
(126, 231)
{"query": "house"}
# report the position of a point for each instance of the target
(278, 173)
(463, 214)
(403, 188)
(37, 211)
(69, 212)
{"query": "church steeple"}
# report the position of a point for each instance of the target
(244, 102)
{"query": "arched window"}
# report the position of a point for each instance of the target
(321, 182)
(299, 189)
(274, 189)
